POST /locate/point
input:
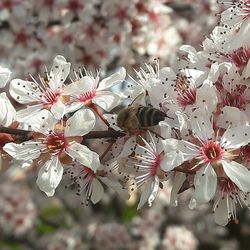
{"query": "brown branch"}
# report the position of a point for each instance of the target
(15, 131)
(183, 170)
(104, 134)
(91, 135)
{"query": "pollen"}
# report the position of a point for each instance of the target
(56, 143)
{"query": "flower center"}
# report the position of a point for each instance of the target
(211, 152)
(245, 152)
(234, 99)
(186, 94)
(56, 143)
(50, 97)
(240, 57)
(187, 97)
(86, 97)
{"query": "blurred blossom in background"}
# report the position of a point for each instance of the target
(103, 35)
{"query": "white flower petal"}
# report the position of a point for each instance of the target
(191, 51)
(27, 114)
(112, 80)
(4, 76)
(81, 86)
(59, 72)
(239, 174)
(24, 92)
(7, 111)
(49, 176)
(84, 155)
(241, 37)
(183, 121)
(246, 71)
(154, 191)
(112, 120)
(236, 137)
(128, 147)
(82, 122)
(58, 109)
(177, 152)
(201, 126)
(205, 183)
(106, 100)
(42, 122)
(232, 116)
(167, 73)
(116, 186)
(206, 98)
(156, 93)
(146, 193)
(97, 191)
(165, 129)
(221, 214)
(25, 151)
(171, 160)
(179, 179)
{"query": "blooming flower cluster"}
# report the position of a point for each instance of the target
(18, 211)
(200, 140)
(95, 33)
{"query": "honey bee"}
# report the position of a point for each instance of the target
(137, 117)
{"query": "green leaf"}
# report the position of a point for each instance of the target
(44, 228)
(128, 213)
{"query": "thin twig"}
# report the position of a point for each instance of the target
(91, 135)
(14, 131)
(183, 170)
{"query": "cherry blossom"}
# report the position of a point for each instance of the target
(51, 146)
(202, 145)
(215, 156)
(148, 166)
(90, 183)
(44, 95)
(227, 197)
(88, 90)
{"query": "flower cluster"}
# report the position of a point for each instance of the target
(187, 124)
(96, 33)
(18, 211)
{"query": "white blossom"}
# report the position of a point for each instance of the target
(54, 142)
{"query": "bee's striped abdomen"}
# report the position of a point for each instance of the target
(148, 116)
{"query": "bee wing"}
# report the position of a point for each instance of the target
(139, 100)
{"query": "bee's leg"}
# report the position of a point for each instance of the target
(171, 118)
(153, 132)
